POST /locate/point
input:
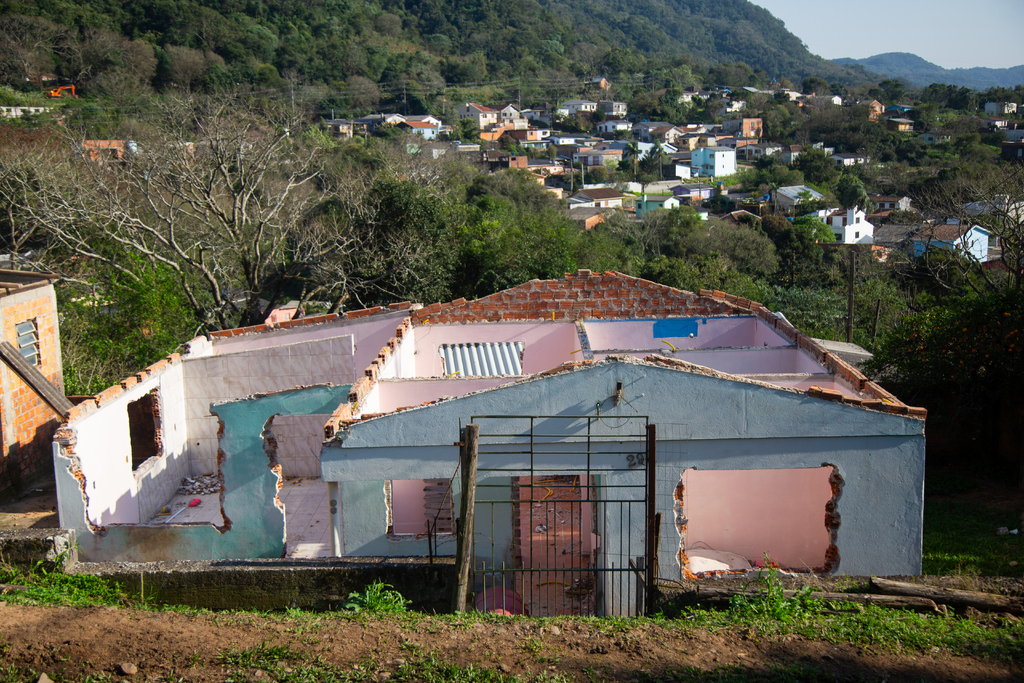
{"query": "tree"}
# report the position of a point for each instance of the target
(224, 196)
(851, 193)
(993, 198)
(798, 252)
(970, 383)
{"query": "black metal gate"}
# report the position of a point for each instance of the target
(564, 515)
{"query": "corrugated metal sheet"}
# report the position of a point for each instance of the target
(483, 359)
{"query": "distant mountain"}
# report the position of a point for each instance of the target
(219, 43)
(923, 73)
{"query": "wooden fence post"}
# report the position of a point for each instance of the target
(464, 545)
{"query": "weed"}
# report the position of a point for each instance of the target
(533, 645)
(376, 599)
(770, 602)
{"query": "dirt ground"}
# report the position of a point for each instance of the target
(75, 643)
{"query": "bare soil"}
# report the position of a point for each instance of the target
(74, 643)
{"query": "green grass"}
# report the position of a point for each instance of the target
(960, 539)
(58, 588)
(788, 673)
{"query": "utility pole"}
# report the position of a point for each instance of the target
(850, 301)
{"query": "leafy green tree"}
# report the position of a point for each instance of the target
(799, 253)
(851, 193)
(119, 325)
(963, 361)
(817, 167)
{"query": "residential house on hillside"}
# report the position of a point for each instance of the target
(1000, 108)
(605, 197)
(934, 137)
(899, 125)
(31, 379)
(343, 128)
(761, 149)
(851, 226)
(643, 129)
(790, 153)
(745, 127)
(875, 110)
(372, 122)
(1012, 151)
(573, 107)
(613, 126)
(793, 195)
(694, 193)
(800, 425)
(598, 157)
(650, 203)
(713, 161)
(577, 384)
(485, 117)
(510, 117)
(612, 108)
(849, 159)
(17, 112)
(425, 129)
(890, 202)
(915, 240)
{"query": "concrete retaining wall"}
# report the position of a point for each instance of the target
(281, 584)
(26, 548)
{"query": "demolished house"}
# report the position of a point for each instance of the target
(612, 411)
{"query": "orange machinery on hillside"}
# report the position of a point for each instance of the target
(59, 92)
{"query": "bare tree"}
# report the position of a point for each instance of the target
(230, 195)
(993, 199)
(218, 193)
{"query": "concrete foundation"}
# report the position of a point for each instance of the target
(318, 585)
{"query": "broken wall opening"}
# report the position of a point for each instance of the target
(729, 519)
(413, 504)
(144, 428)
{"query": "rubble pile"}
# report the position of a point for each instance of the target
(204, 483)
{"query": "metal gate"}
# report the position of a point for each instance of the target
(564, 515)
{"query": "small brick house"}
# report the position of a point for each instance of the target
(30, 377)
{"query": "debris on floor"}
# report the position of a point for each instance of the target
(199, 485)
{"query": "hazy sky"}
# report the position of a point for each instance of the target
(950, 33)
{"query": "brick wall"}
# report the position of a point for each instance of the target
(580, 296)
(28, 423)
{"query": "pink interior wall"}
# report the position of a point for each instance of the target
(717, 332)
(750, 512)
(745, 362)
(394, 394)
(371, 335)
(407, 515)
(547, 345)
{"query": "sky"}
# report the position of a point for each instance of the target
(951, 33)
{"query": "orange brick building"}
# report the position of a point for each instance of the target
(31, 380)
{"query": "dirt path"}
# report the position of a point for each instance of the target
(74, 643)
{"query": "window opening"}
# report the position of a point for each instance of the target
(412, 503)
(144, 428)
(28, 341)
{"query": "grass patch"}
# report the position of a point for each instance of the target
(788, 673)
(879, 628)
(288, 666)
(960, 540)
(57, 588)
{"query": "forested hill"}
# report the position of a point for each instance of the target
(426, 42)
(922, 73)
